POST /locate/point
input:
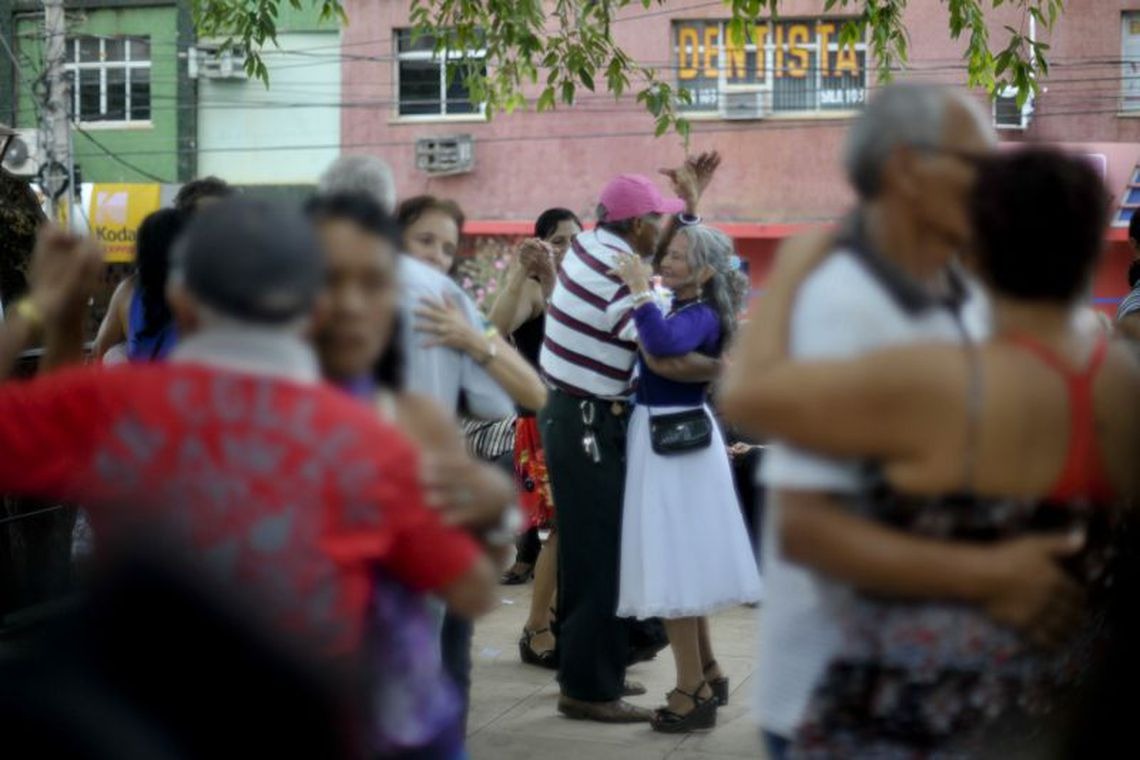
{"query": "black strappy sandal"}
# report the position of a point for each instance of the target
(701, 718)
(719, 686)
(547, 659)
(514, 578)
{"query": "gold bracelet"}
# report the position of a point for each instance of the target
(27, 310)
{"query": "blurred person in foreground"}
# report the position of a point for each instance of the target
(1021, 448)
(450, 376)
(120, 673)
(138, 319)
(456, 379)
(892, 279)
(233, 447)
(417, 710)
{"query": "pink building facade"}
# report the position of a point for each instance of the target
(776, 111)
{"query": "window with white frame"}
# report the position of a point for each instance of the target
(790, 65)
(1130, 63)
(109, 79)
(1007, 113)
(421, 78)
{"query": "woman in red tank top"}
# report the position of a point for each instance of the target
(1033, 431)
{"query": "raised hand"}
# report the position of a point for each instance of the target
(704, 168)
(691, 179)
(537, 258)
(63, 274)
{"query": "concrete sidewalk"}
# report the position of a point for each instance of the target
(514, 715)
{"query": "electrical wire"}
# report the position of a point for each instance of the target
(117, 157)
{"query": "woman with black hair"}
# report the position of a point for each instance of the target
(138, 314)
(520, 311)
(151, 332)
(416, 709)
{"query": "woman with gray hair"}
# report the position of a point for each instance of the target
(685, 549)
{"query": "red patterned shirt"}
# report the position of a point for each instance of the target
(290, 489)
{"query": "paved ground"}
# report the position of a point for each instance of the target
(513, 715)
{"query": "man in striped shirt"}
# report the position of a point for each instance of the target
(588, 357)
(1128, 314)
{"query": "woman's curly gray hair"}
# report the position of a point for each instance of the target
(727, 289)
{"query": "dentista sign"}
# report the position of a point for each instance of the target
(115, 213)
(798, 61)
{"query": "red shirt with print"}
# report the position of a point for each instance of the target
(290, 489)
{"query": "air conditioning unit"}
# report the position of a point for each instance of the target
(208, 61)
(452, 154)
(23, 156)
(1009, 115)
(745, 103)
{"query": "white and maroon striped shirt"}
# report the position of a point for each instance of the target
(589, 349)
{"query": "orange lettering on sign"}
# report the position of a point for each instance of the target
(846, 61)
(800, 59)
(779, 64)
(737, 62)
(712, 48)
(823, 34)
(688, 41)
(761, 37)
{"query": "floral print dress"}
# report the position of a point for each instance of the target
(926, 679)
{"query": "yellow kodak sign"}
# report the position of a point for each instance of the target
(115, 213)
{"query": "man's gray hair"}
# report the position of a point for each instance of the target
(900, 115)
(368, 175)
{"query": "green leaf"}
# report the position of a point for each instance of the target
(570, 41)
(1002, 64)
(662, 126)
(736, 31)
(684, 128)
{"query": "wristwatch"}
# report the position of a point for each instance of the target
(492, 352)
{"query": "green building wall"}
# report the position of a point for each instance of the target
(152, 149)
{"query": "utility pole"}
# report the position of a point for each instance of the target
(55, 126)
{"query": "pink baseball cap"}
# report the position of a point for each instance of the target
(632, 195)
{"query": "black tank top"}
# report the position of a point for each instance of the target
(528, 338)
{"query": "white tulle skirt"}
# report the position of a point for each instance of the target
(685, 550)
